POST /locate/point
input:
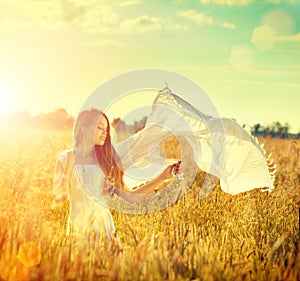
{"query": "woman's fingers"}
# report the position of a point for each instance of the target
(176, 168)
(172, 170)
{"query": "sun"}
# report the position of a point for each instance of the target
(6, 98)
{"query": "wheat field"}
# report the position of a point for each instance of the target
(250, 236)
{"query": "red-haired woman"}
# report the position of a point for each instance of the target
(83, 175)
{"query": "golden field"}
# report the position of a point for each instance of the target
(251, 236)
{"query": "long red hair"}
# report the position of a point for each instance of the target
(106, 155)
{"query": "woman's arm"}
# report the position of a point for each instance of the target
(135, 195)
(150, 186)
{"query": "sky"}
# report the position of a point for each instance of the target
(245, 54)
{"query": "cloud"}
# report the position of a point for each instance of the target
(89, 16)
(25, 15)
(147, 23)
(171, 26)
(273, 1)
(72, 13)
(129, 3)
(142, 24)
(200, 19)
(228, 25)
(227, 2)
(293, 37)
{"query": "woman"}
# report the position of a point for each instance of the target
(218, 146)
(86, 174)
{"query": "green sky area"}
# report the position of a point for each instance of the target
(245, 54)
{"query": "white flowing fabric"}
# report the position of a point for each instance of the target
(219, 146)
(85, 191)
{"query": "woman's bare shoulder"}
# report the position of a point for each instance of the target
(66, 159)
(65, 154)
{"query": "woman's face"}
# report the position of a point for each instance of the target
(101, 131)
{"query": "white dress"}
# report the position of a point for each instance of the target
(85, 191)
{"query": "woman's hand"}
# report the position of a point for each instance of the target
(172, 170)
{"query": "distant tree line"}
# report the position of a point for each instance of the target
(60, 119)
(275, 130)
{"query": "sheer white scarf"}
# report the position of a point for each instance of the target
(218, 146)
